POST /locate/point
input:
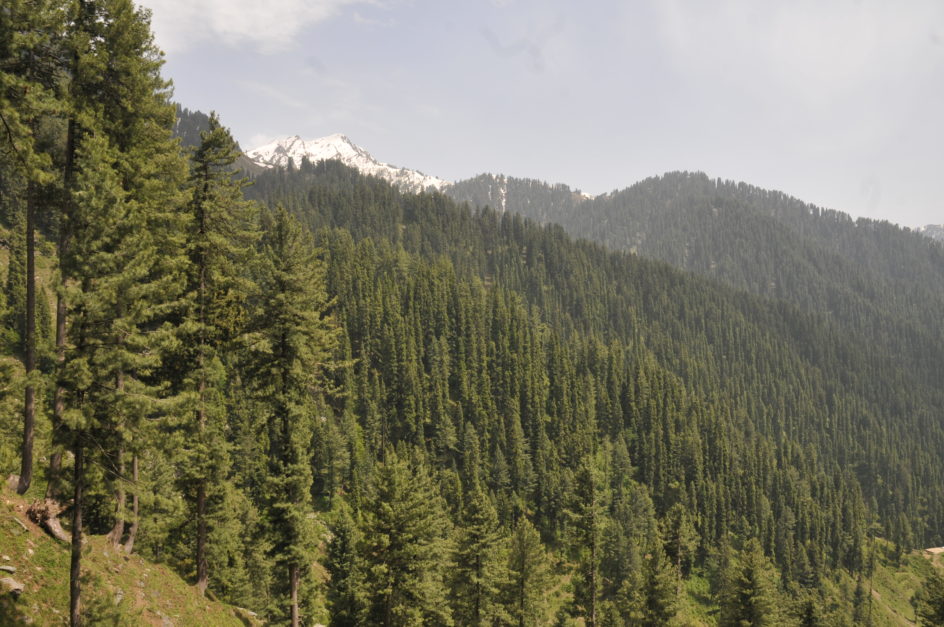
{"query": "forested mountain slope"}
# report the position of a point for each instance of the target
(884, 282)
(347, 404)
(534, 363)
(764, 241)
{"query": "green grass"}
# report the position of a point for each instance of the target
(696, 606)
(118, 589)
(893, 584)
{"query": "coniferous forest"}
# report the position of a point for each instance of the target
(328, 401)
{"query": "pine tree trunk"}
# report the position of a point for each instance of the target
(202, 569)
(29, 401)
(59, 404)
(678, 564)
(592, 617)
(118, 529)
(75, 571)
(133, 532)
(202, 566)
(293, 576)
(55, 468)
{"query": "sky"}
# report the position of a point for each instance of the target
(838, 103)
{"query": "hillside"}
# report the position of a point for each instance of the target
(764, 241)
(769, 366)
(123, 589)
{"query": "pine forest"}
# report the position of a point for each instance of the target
(319, 399)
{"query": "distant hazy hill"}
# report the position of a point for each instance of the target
(884, 281)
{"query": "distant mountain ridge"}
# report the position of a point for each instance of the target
(870, 274)
(292, 150)
(532, 198)
(883, 281)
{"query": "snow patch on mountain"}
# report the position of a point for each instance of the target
(934, 231)
(282, 152)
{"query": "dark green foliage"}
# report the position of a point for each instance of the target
(588, 518)
(480, 573)
(404, 548)
(463, 392)
(530, 577)
(288, 348)
(717, 414)
(345, 589)
(681, 538)
(222, 233)
(882, 284)
(653, 602)
(15, 288)
(931, 605)
(749, 595)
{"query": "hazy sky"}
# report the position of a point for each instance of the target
(838, 103)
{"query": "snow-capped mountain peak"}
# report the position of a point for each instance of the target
(281, 152)
(934, 231)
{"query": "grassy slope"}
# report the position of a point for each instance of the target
(118, 589)
(893, 586)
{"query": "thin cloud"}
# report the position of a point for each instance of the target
(800, 46)
(273, 94)
(269, 27)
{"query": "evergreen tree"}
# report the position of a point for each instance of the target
(750, 595)
(404, 545)
(589, 519)
(659, 595)
(860, 610)
(15, 288)
(648, 596)
(122, 267)
(530, 577)
(219, 249)
(113, 345)
(345, 588)
(30, 45)
(480, 570)
(681, 538)
(810, 613)
(289, 347)
(931, 607)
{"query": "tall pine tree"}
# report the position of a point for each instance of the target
(123, 263)
(480, 571)
(404, 548)
(530, 577)
(288, 350)
(220, 246)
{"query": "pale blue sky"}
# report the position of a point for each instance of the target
(839, 103)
